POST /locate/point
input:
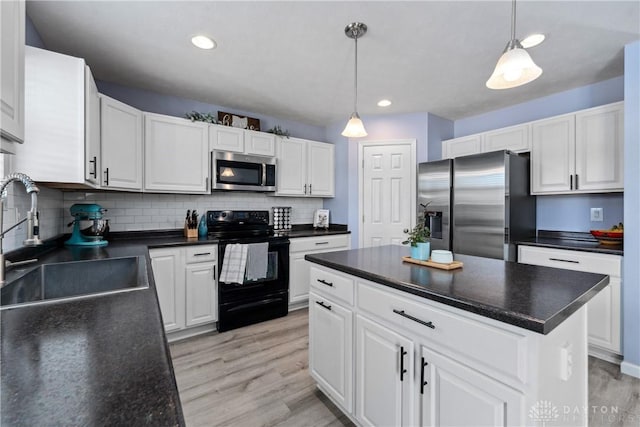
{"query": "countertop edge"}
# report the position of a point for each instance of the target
(514, 319)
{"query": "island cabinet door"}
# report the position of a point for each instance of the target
(384, 376)
(452, 394)
(331, 349)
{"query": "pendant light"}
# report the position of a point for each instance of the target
(355, 128)
(515, 67)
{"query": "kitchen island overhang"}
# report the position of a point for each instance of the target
(531, 297)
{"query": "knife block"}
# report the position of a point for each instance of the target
(190, 233)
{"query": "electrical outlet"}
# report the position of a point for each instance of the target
(596, 214)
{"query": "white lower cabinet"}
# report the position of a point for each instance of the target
(331, 348)
(603, 323)
(452, 394)
(419, 362)
(299, 268)
(186, 285)
(168, 272)
(384, 376)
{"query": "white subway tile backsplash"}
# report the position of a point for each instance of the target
(137, 211)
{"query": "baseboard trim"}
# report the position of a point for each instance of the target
(190, 332)
(298, 305)
(605, 355)
(630, 369)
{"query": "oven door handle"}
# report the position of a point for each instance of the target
(253, 304)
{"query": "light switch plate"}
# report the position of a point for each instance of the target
(596, 214)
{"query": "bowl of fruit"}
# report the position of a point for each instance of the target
(612, 236)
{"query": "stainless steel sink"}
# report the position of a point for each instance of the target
(70, 280)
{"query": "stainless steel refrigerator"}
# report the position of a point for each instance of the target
(479, 204)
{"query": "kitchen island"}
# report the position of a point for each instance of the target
(492, 343)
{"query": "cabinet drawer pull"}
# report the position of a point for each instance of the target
(402, 370)
(564, 260)
(324, 282)
(322, 243)
(202, 254)
(320, 303)
(422, 381)
(415, 319)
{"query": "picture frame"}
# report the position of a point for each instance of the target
(321, 219)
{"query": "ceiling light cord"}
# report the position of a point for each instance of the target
(513, 20)
(355, 76)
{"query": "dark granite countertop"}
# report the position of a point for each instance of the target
(102, 360)
(575, 241)
(531, 297)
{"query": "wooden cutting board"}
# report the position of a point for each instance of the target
(429, 263)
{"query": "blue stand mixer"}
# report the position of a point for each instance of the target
(89, 228)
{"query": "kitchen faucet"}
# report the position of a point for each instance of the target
(33, 234)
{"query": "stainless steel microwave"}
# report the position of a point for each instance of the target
(234, 171)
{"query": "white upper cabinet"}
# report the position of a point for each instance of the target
(579, 153)
(462, 146)
(176, 158)
(259, 143)
(121, 135)
(553, 154)
(92, 130)
(514, 138)
(305, 168)
(600, 148)
(228, 138)
(291, 167)
(12, 34)
(321, 169)
(60, 119)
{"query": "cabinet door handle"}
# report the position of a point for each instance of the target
(95, 167)
(564, 260)
(571, 182)
(422, 381)
(305, 189)
(320, 303)
(309, 189)
(322, 243)
(214, 272)
(106, 176)
(415, 319)
(576, 181)
(402, 370)
(202, 254)
(324, 282)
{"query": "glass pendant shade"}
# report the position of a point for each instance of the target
(515, 68)
(354, 128)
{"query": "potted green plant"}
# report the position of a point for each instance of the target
(418, 238)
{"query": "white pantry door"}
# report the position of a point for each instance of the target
(388, 191)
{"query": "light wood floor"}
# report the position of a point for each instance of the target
(257, 376)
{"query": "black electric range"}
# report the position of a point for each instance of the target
(252, 301)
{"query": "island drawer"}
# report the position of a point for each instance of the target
(331, 284)
(500, 350)
(571, 260)
(308, 244)
(201, 253)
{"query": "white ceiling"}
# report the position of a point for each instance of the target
(292, 60)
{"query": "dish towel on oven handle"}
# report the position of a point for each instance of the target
(257, 261)
(234, 263)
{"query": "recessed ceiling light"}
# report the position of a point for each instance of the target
(532, 40)
(203, 42)
(384, 103)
